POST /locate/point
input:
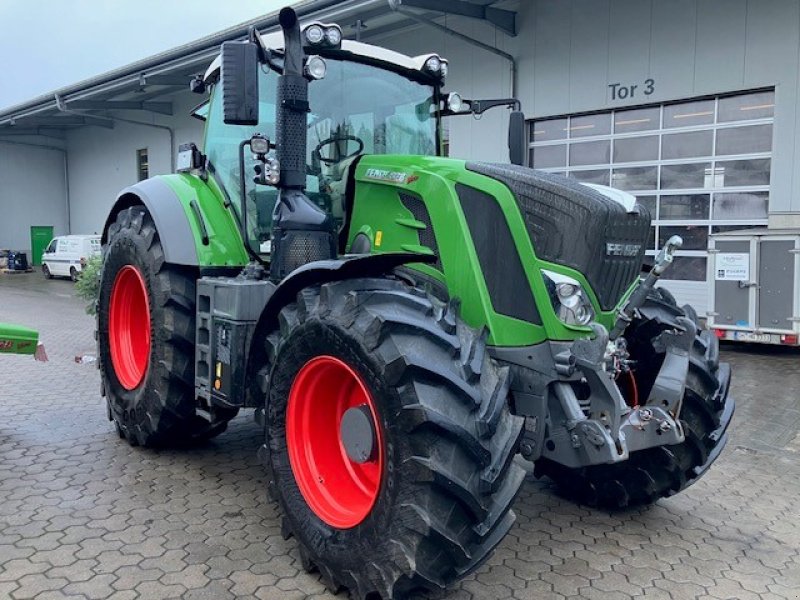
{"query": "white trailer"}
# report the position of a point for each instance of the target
(754, 286)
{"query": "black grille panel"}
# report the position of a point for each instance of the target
(500, 262)
(300, 247)
(576, 226)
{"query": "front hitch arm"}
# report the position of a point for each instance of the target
(663, 260)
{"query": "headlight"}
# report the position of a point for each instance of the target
(568, 298)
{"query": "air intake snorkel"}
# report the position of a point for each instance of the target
(302, 232)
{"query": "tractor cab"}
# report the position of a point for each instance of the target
(363, 100)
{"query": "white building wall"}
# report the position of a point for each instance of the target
(32, 192)
(102, 162)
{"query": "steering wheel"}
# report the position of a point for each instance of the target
(334, 139)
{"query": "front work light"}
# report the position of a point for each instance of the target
(259, 144)
(315, 34)
(333, 35)
(569, 300)
(455, 102)
(433, 65)
(323, 36)
(316, 67)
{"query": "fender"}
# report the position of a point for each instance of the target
(314, 273)
(194, 226)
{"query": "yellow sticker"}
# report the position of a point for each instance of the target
(219, 369)
(378, 238)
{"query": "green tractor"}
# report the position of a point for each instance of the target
(403, 324)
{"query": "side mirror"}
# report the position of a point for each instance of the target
(240, 83)
(517, 144)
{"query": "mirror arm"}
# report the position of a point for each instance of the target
(479, 107)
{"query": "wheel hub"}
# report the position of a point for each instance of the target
(129, 327)
(358, 434)
(334, 442)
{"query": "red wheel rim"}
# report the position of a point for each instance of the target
(129, 327)
(341, 492)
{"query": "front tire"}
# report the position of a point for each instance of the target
(46, 272)
(73, 274)
(146, 332)
(663, 471)
(433, 498)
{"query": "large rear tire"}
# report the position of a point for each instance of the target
(705, 415)
(146, 332)
(434, 497)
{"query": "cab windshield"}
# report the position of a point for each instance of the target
(356, 109)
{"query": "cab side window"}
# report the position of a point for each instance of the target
(52, 247)
(222, 147)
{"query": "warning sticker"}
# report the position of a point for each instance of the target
(732, 266)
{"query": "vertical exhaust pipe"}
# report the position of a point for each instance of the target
(292, 106)
(301, 231)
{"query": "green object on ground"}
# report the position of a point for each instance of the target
(15, 339)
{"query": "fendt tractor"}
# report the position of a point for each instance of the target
(404, 324)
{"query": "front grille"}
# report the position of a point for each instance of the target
(578, 227)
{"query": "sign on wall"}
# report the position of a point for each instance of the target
(628, 91)
(732, 266)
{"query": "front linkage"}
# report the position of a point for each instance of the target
(583, 412)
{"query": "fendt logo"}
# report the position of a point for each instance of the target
(618, 249)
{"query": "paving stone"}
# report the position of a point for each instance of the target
(32, 585)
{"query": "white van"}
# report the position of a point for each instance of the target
(66, 255)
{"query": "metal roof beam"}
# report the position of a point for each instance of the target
(171, 80)
(18, 131)
(57, 122)
(506, 20)
(162, 108)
